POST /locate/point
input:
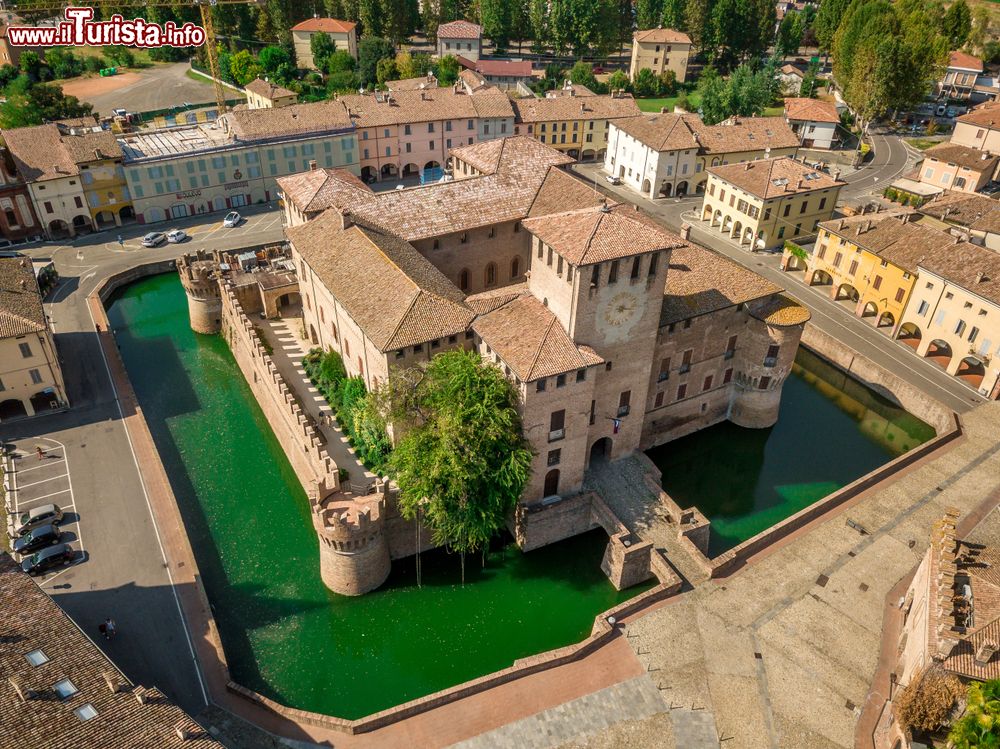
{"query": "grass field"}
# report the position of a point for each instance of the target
(194, 75)
(921, 144)
(655, 103)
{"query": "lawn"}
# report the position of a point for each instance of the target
(196, 76)
(655, 103)
(922, 144)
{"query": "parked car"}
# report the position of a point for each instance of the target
(177, 235)
(59, 555)
(232, 219)
(41, 515)
(951, 111)
(154, 238)
(37, 539)
(942, 108)
(613, 180)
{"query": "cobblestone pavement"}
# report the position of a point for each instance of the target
(636, 699)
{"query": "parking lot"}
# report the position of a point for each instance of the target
(32, 480)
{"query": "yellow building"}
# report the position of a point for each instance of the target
(575, 125)
(262, 94)
(344, 35)
(869, 262)
(740, 139)
(660, 50)
(760, 204)
(31, 379)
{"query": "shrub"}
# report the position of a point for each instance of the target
(928, 700)
(94, 64)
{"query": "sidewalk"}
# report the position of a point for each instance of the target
(289, 349)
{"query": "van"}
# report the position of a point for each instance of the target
(41, 515)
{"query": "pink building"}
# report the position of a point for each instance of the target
(406, 133)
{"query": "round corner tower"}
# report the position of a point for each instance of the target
(353, 550)
(199, 277)
(775, 328)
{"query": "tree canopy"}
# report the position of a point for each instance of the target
(29, 103)
(371, 49)
(462, 461)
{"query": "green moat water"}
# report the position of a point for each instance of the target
(831, 430)
(285, 634)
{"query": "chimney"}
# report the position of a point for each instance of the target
(112, 680)
(312, 165)
(980, 276)
(905, 218)
(985, 652)
(798, 185)
(140, 695)
(24, 284)
(685, 231)
(22, 691)
(746, 166)
(345, 220)
(183, 731)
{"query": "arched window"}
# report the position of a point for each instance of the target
(463, 279)
(715, 162)
(515, 267)
(551, 483)
(491, 274)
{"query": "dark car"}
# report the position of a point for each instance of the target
(37, 539)
(47, 559)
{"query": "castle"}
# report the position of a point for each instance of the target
(617, 334)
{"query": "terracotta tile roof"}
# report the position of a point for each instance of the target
(773, 178)
(267, 89)
(575, 108)
(810, 110)
(485, 155)
(426, 105)
(329, 25)
(788, 69)
(561, 191)
(699, 281)
(32, 621)
(959, 59)
(487, 301)
(516, 68)
(459, 30)
(295, 119)
(904, 244)
(743, 134)
(530, 340)
(21, 309)
(413, 84)
(662, 36)
(985, 115)
(394, 293)
(971, 158)
(661, 132)
(962, 659)
(974, 268)
(319, 189)
(597, 234)
(570, 89)
(781, 312)
(977, 212)
(45, 152)
(472, 79)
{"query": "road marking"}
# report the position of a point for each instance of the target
(53, 478)
(47, 465)
(46, 496)
(156, 529)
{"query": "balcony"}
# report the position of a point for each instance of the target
(684, 369)
(770, 361)
(730, 353)
(623, 410)
(557, 434)
(663, 376)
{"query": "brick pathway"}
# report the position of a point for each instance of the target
(289, 348)
(635, 699)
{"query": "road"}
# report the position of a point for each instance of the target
(157, 87)
(891, 159)
(123, 573)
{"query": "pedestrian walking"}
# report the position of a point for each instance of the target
(109, 627)
(97, 327)
(39, 452)
(103, 629)
(121, 242)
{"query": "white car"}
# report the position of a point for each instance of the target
(232, 219)
(153, 239)
(177, 235)
(613, 180)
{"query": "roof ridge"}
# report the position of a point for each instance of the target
(406, 312)
(593, 233)
(541, 346)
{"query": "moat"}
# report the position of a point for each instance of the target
(831, 430)
(285, 634)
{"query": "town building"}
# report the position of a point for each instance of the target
(504, 74)
(31, 378)
(790, 79)
(765, 203)
(569, 89)
(11, 55)
(869, 262)
(460, 38)
(813, 120)
(575, 125)
(74, 174)
(17, 217)
(343, 34)
(964, 214)
(960, 76)
(668, 154)
(234, 161)
(660, 50)
(979, 128)
(617, 334)
(262, 94)
(413, 84)
(61, 690)
(950, 616)
(409, 134)
(948, 166)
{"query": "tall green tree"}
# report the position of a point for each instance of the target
(496, 20)
(673, 15)
(371, 49)
(244, 67)
(828, 21)
(697, 21)
(447, 70)
(648, 13)
(321, 46)
(538, 17)
(790, 34)
(29, 103)
(396, 19)
(956, 23)
(386, 70)
(462, 461)
(980, 31)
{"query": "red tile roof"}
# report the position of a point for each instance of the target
(519, 68)
(459, 30)
(965, 61)
(662, 36)
(811, 110)
(772, 178)
(329, 25)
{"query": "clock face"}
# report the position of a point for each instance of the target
(621, 309)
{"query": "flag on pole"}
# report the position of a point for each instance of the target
(617, 424)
